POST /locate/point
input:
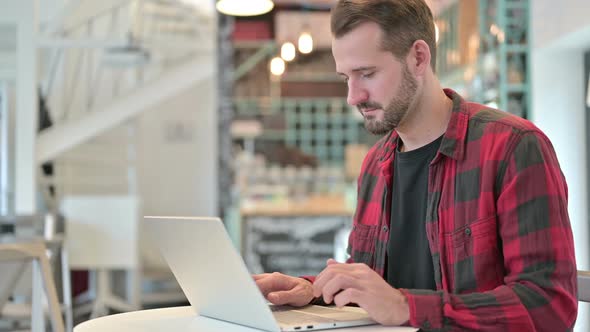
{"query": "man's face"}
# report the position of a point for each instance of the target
(379, 85)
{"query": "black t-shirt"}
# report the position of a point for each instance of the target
(409, 262)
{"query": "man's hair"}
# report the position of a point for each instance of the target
(401, 21)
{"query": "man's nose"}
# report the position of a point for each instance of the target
(356, 94)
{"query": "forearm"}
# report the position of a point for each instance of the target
(501, 309)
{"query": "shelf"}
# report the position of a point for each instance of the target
(517, 5)
(511, 88)
(517, 48)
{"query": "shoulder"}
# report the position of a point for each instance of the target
(495, 126)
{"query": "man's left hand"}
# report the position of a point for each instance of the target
(359, 284)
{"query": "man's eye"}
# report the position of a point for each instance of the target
(368, 75)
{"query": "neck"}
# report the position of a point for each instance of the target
(428, 117)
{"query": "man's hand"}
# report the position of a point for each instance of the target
(357, 283)
(282, 289)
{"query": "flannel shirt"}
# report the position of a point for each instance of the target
(496, 222)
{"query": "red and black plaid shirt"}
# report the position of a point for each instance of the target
(497, 225)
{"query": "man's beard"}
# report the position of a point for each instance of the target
(397, 109)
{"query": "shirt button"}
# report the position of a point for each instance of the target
(385, 228)
(468, 231)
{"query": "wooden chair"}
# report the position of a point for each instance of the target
(584, 286)
(14, 256)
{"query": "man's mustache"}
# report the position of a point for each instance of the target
(368, 105)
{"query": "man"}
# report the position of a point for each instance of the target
(461, 222)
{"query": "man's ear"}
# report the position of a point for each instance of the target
(419, 57)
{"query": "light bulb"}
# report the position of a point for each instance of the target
(288, 51)
(277, 66)
(305, 43)
(244, 8)
(436, 33)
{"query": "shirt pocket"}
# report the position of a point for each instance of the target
(362, 243)
(475, 257)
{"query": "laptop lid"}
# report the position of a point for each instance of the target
(210, 271)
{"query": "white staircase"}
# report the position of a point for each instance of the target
(102, 66)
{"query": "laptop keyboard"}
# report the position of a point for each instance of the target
(313, 314)
(278, 308)
(298, 317)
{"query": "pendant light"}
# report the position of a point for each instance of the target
(277, 66)
(305, 42)
(244, 8)
(288, 51)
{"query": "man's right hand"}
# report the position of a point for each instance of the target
(282, 289)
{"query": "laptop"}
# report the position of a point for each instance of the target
(217, 284)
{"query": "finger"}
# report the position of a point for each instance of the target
(277, 282)
(282, 298)
(260, 276)
(293, 297)
(333, 265)
(332, 261)
(348, 296)
(330, 272)
(321, 280)
(337, 284)
(264, 286)
(269, 283)
(299, 295)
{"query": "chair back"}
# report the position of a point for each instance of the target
(584, 286)
(10, 273)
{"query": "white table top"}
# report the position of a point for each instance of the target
(184, 319)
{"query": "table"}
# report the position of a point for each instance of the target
(184, 319)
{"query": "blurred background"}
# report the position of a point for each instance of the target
(111, 110)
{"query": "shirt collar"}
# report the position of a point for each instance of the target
(453, 142)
